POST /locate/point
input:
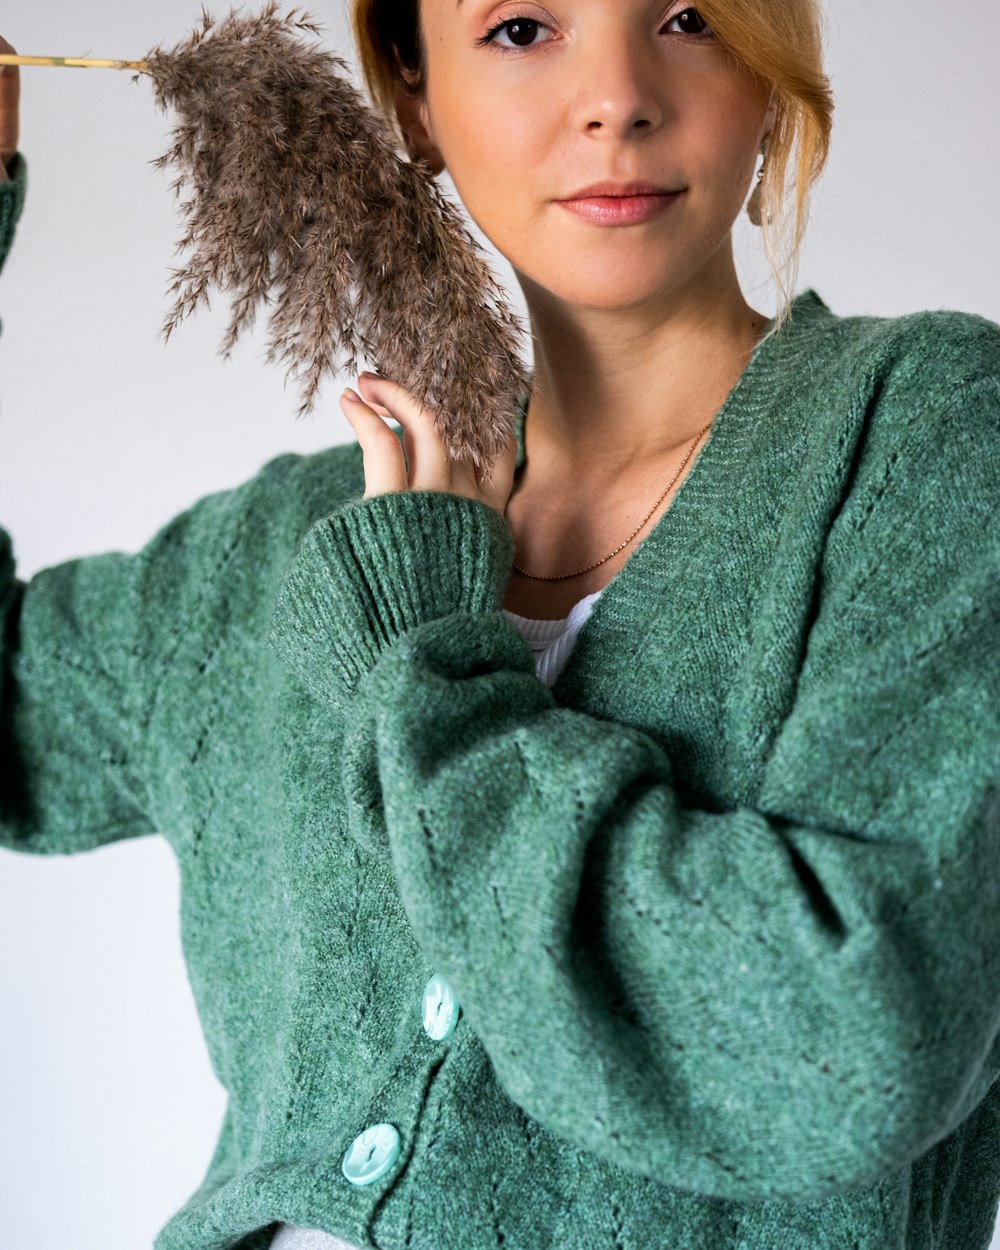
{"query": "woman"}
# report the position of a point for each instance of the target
(680, 932)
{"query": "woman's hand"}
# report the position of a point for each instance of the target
(10, 94)
(428, 464)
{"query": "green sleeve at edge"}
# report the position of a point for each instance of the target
(12, 203)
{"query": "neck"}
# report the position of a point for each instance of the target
(615, 387)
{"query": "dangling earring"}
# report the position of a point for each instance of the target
(754, 204)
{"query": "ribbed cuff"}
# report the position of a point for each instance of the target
(12, 202)
(378, 567)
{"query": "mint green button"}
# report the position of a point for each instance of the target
(441, 1008)
(371, 1154)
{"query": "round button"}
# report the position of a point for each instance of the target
(441, 1008)
(371, 1154)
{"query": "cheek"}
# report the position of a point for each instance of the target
(728, 141)
(488, 144)
(493, 159)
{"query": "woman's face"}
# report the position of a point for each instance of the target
(528, 103)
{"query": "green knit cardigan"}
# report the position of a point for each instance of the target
(720, 908)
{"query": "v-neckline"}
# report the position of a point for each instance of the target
(626, 597)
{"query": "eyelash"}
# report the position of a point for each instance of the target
(490, 36)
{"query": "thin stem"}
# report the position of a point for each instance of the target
(80, 62)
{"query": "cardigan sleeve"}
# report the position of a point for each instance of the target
(72, 700)
(87, 645)
(786, 1000)
(12, 193)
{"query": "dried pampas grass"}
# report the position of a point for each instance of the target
(299, 201)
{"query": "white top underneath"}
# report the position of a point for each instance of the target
(291, 1237)
(552, 642)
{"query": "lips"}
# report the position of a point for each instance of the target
(619, 210)
(618, 190)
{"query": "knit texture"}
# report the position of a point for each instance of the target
(12, 193)
(718, 906)
(551, 642)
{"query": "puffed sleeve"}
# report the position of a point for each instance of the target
(87, 643)
(785, 1000)
(12, 193)
(72, 704)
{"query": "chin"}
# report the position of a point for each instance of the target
(611, 292)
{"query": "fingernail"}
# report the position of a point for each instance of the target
(353, 396)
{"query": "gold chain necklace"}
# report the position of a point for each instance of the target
(562, 576)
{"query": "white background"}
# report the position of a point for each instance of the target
(109, 1106)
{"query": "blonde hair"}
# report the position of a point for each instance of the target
(780, 41)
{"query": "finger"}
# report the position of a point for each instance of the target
(377, 407)
(408, 445)
(429, 459)
(384, 463)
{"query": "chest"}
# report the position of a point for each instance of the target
(553, 601)
(556, 532)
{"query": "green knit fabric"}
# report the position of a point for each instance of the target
(719, 907)
(12, 193)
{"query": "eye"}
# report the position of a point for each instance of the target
(690, 22)
(521, 32)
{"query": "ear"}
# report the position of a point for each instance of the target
(411, 111)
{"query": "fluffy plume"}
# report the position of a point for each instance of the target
(298, 200)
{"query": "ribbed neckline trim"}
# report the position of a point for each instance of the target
(637, 597)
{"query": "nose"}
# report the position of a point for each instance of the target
(619, 88)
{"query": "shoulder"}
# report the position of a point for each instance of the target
(923, 362)
(903, 417)
(288, 492)
(940, 345)
(247, 533)
(294, 490)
